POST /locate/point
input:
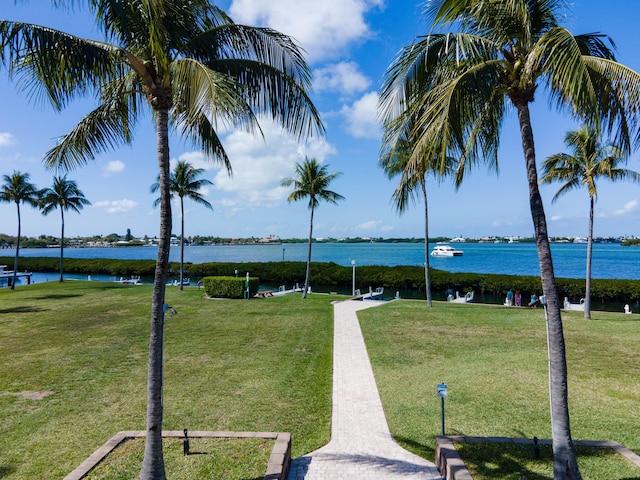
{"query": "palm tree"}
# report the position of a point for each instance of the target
(66, 195)
(196, 69)
(589, 161)
(184, 182)
(311, 181)
(394, 160)
(460, 84)
(16, 188)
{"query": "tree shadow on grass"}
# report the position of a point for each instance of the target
(58, 296)
(511, 461)
(503, 460)
(422, 450)
(6, 470)
(20, 309)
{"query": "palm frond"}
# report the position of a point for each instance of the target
(102, 129)
(54, 65)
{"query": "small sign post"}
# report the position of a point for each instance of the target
(441, 391)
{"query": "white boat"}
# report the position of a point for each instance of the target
(467, 298)
(446, 251)
(573, 306)
(134, 280)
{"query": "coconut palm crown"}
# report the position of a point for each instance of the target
(394, 160)
(65, 195)
(184, 183)
(16, 188)
(589, 161)
(311, 180)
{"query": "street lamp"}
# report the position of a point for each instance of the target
(353, 283)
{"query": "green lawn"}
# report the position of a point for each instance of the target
(265, 365)
(228, 459)
(259, 365)
(494, 361)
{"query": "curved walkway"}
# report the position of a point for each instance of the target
(361, 445)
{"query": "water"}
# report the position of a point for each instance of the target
(610, 260)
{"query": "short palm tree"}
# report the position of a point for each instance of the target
(311, 180)
(195, 69)
(589, 161)
(460, 85)
(17, 188)
(65, 195)
(184, 182)
(394, 160)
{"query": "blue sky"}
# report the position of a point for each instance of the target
(349, 44)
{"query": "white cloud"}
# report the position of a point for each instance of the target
(259, 165)
(373, 226)
(116, 206)
(361, 117)
(556, 218)
(324, 29)
(343, 77)
(629, 207)
(7, 139)
(370, 225)
(114, 166)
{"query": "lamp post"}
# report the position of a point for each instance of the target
(353, 282)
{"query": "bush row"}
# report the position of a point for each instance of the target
(332, 275)
(229, 287)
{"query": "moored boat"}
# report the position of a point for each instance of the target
(446, 251)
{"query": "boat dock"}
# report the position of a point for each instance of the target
(6, 276)
(376, 294)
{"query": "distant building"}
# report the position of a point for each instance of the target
(269, 240)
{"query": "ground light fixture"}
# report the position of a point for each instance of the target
(442, 392)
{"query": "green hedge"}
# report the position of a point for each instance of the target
(332, 275)
(229, 287)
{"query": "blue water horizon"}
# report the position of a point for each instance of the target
(610, 260)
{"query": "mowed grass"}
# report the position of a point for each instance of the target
(258, 365)
(494, 362)
(228, 459)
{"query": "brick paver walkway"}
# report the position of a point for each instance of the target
(361, 445)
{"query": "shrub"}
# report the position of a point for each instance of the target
(229, 287)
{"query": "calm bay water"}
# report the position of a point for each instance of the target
(609, 260)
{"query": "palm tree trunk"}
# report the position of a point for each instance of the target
(15, 260)
(587, 293)
(427, 279)
(308, 273)
(181, 241)
(565, 465)
(153, 462)
(62, 245)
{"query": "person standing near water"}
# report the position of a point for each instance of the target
(509, 300)
(518, 298)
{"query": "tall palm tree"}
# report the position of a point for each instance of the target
(394, 160)
(460, 85)
(311, 180)
(196, 69)
(184, 182)
(589, 161)
(65, 195)
(17, 188)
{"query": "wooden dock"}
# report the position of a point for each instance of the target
(377, 294)
(6, 276)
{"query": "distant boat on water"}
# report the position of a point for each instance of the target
(441, 250)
